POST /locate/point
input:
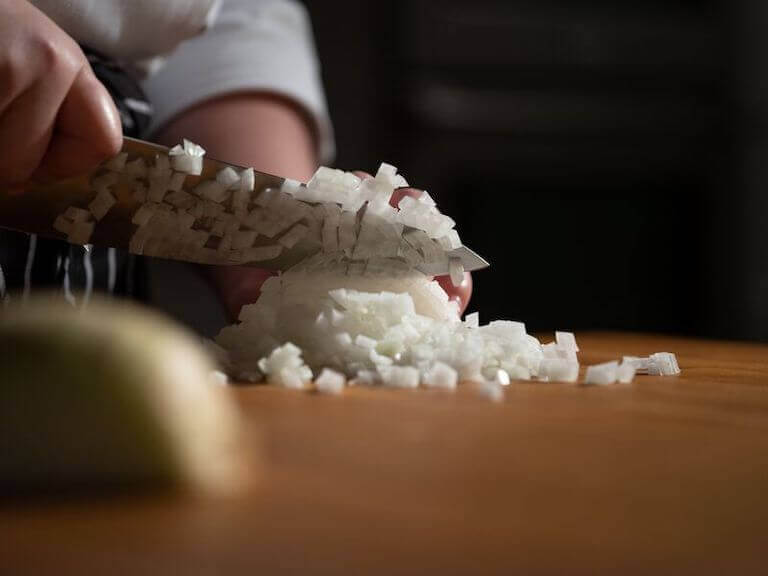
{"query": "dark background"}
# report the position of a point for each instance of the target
(610, 158)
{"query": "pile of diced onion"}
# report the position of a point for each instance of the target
(360, 305)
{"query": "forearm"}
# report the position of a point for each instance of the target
(255, 129)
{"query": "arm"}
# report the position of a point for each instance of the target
(251, 129)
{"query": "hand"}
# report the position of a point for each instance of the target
(56, 118)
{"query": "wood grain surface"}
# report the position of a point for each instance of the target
(668, 475)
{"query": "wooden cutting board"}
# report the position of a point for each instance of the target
(668, 475)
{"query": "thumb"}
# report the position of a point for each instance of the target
(87, 129)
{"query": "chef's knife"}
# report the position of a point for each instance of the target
(35, 210)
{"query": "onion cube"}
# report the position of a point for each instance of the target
(80, 233)
(136, 168)
(293, 236)
(240, 199)
(456, 271)
(187, 164)
(472, 320)
(117, 163)
(450, 241)
(386, 170)
(185, 219)
(138, 240)
(566, 340)
(625, 373)
(243, 239)
(330, 382)
(144, 214)
(291, 186)
(602, 374)
(228, 177)
(247, 180)
(176, 182)
(261, 253)
(187, 158)
(663, 364)
(400, 376)
(558, 370)
(501, 377)
(158, 186)
(225, 244)
(62, 224)
(266, 197)
(212, 190)
(76, 214)
(180, 199)
(101, 204)
(139, 193)
(440, 375)
(104, 181)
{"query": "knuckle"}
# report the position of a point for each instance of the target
(12, 74)
(57, 56)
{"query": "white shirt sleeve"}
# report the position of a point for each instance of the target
(252, 45)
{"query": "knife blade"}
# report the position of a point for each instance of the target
(35, 210)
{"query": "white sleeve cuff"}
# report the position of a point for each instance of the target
(264, 45)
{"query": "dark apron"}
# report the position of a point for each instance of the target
(29, 263)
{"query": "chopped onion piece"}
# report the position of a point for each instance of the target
(177, 181)
(625, 373)
(101, 204)
(104, 182)
(456, 271)
(247, 180)
(501, 378)
(187, 158)
(290, 186)
(558, 370)
(225, 245)
(136, 168)
(261, 253)
(180, 199)
(117, 163)
(212, 190)
(243, 239)
(63, 224)
(386, 170)
(663, 364)
(80, 233)
(228, 177)
(566, 340)
(330, 382)
(602, 374)
(144, 214)
(399, 376)
(441, 375)
(285, 367)
(76, 214)
(293, 236)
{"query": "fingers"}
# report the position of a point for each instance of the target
(26, 126)
(87, 130)
(401, 193)
(460, 294)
